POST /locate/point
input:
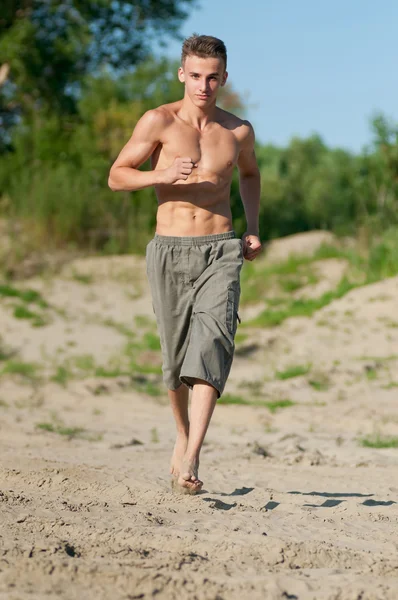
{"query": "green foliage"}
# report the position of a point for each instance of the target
(26, 295)
(62, 375)
(293, 371)
(289, 275)
(151, 341)
(21, 312)
(60, 191)
(319, 386)
(25, 369)
(379, 441)
(303, 307)
(381, 261)
(69, 432)
(50, 47)
(272, 405)
(383, 257)
(79, 75)
(275, 405)
(231, 399)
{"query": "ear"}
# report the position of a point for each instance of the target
(181, 75)
(224, 79)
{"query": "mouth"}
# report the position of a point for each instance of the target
(203, 96)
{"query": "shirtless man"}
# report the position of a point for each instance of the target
(194, 260)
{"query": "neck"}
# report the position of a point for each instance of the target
(196, 116)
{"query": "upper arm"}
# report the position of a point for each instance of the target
(247, 162)
(146, 136)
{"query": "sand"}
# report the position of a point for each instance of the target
(293, 506)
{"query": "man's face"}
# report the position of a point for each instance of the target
(202, 78)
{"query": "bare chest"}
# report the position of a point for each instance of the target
(215, 150)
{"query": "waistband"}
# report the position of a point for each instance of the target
(195, 240)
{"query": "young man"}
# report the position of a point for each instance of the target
(194, 260)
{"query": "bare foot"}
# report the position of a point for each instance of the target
(178, 454)
(188, 480)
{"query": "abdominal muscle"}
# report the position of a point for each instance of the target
(195, 207)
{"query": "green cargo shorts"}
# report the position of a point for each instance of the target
(195, 286)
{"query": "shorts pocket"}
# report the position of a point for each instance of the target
(231, 320)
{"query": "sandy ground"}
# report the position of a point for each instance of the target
(293, 507)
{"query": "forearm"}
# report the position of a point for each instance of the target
(127, 179)
(250, 186)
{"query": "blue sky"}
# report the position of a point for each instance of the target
(307, 66)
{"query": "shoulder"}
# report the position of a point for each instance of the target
(157, 117)
(241, 128)
(245, 133)
(153, 124)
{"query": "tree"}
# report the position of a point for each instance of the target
(48, 47)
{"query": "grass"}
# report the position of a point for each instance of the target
(379, 441)
(319, 382)
(83, 278)
(293, 371)
(254, 386)
(125, 364)
(28, 296)
(292, 284)
(25, 369)
(381, 261)
(240, 338)
(149, 388)
(380, 359)
(272, 405)
(69, 432)
(120, 327)
(289, 275)
(62, 375)
(319, 386)
(144, 322)
(21, 312)
(231, 399)
(151, 341)
(275, 405)
(371, 373)
(109, 372)
(391, 385)
(84, 362)
(146, 369)
(302, 307)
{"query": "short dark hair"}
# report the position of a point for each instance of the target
(204, 46)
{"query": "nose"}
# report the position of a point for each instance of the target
(204, 86)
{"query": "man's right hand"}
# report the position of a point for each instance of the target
(180, 169)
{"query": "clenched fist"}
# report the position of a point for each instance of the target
(180, 169)
(251, 246)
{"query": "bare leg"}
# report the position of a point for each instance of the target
(179, 404)
(204, 398)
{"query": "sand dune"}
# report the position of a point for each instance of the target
(294, 507)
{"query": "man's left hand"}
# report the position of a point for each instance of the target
(251, 246)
